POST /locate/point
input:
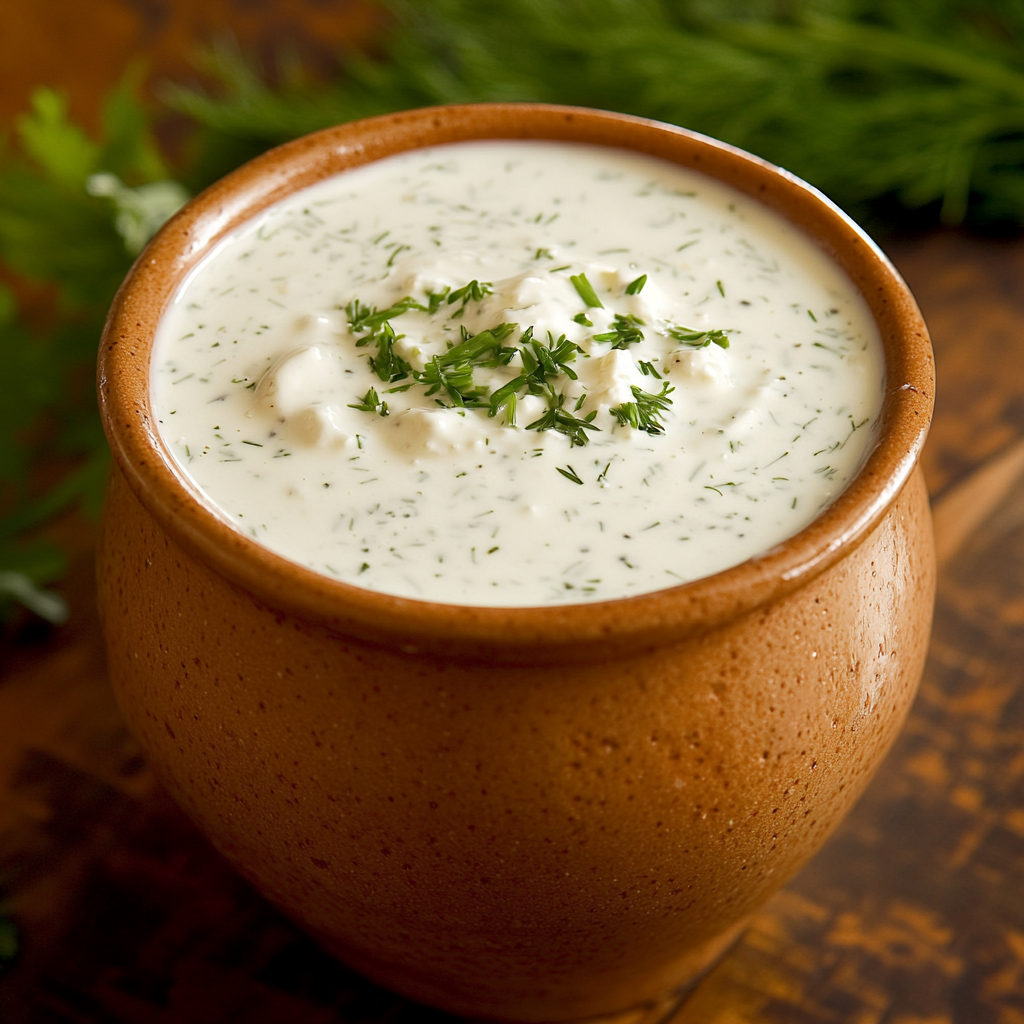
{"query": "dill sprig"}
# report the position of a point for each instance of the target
(694, 338)
(646, 409)
(453, 371)
(475, 291)
(542, 364)
(371, 402)
(625, 331)
(387, 363)
(556, 418)
(368, 320)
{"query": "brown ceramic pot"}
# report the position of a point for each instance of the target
(523, 813)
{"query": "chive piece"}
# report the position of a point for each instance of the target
(570, 474)
(586, 291)
(581, 318)
(637, 286)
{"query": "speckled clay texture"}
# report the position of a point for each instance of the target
(528, 814)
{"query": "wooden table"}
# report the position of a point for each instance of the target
(912, 914)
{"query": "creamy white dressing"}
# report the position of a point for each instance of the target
(263, 392)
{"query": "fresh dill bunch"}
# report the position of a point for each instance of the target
(883, 104)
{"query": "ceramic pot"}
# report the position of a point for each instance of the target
(532, 814)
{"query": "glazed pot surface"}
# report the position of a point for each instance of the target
(529, 814)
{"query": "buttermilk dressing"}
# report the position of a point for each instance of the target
(517, 373)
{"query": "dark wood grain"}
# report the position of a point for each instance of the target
(912, 914)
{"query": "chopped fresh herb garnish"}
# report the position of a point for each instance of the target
(645, 411)
(387, 364)
(637, 286)
(368, 319)
(694, 338)
(475, 291)
(456, 379)
(542, 364)
(556, 418)
(583, 320)
(371, 402)
(625, 331)
(586, 291)
(648, 369)
(435, 299)
(483, 349)
(570, 474)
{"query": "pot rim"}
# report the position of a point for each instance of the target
(587, 630)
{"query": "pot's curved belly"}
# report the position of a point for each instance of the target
(536, 844)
